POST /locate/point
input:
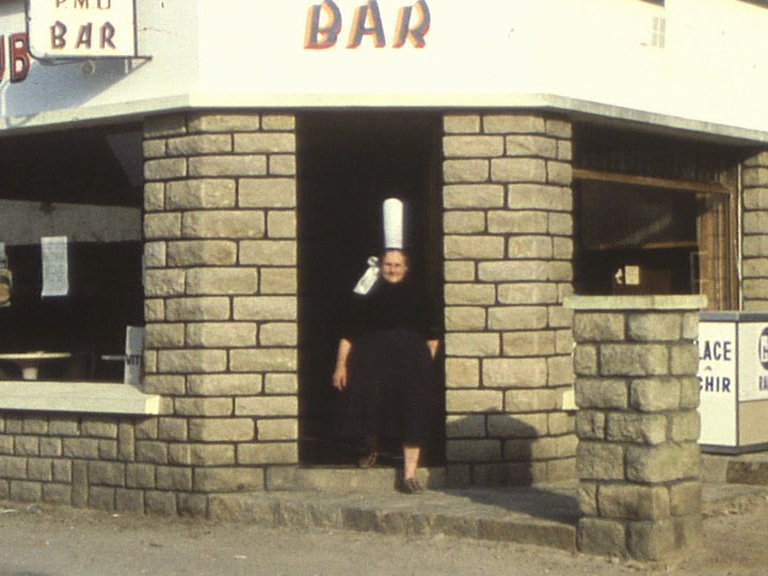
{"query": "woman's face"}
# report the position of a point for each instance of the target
(394, 266)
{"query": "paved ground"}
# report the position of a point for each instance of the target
(53, 541)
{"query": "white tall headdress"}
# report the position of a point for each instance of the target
(393, 240)
(393, 224)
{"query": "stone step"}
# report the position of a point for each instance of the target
(345, 479)
(544, 517)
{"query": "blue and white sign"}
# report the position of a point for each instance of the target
(753, 361)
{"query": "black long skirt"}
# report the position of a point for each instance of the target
(391, 393)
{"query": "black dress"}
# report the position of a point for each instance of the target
(391, 391)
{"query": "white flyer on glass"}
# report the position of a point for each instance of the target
(55, 266)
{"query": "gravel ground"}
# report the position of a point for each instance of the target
(53, 541)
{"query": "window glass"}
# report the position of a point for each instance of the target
(84, 187)
(653, 216)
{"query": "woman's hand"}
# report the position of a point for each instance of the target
(340, 374)
(433, 346)
(340, 377)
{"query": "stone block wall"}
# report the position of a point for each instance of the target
(221, 295)
(508, 224)
(638, 460)
(754, 289)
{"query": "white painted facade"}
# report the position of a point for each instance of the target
(697, 64)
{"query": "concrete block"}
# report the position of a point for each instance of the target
(602, 537)
(657, 394)
(162, 225)
(513, 271)
(221, 334)
(216, 281)
(165, 169)
(201, 407)
(204, 193)
(634, 359)
(264, 143)
(192, 360)
(227, 166)
(532, 196)
(459, 171)
(462, 373)
(224, 384)
(513, 124)
(517, 222)
(216, 224)
(268, 252)
(473, 247)
(279, 334)
(224, 122)
(517, 317)
(636, 428)
(202, 252)
(474, 344)
(473, 401)
(266, 406)
(198, 308)
(473, 450)
(221, 429)
(475, 146)
(473, 196)
(267, 192)
(518, 170)
(531, 146)
(469, 294)
(530, 343)
(517, 425)
(604, 393)
(600, 461)
(264, 360)
(281, 224)
(598, 327)
(461, 123)
(199, 144)
(651, 540)
(514, 372)
(174, 478)
(268, 453)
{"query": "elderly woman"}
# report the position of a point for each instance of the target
(384, 366)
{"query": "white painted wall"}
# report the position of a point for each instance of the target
(710, 73)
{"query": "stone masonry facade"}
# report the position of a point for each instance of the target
(220, 308)
(755, 230)
(221, 296)
(220, 229)
(508, 224)
(636, 361)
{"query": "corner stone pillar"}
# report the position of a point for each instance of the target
(754, 288)
(638, 458)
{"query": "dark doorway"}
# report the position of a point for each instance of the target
(348, 163)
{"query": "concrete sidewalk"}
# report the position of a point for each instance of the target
(544, 515)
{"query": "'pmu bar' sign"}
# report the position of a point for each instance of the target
(82, 28)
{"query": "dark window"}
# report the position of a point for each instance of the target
(86, 186)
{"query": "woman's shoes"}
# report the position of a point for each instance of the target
(368, 461)
(410, 486)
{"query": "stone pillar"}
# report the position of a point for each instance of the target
(508, 227)
(754, 289)
(637, 392)
(220, 299)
